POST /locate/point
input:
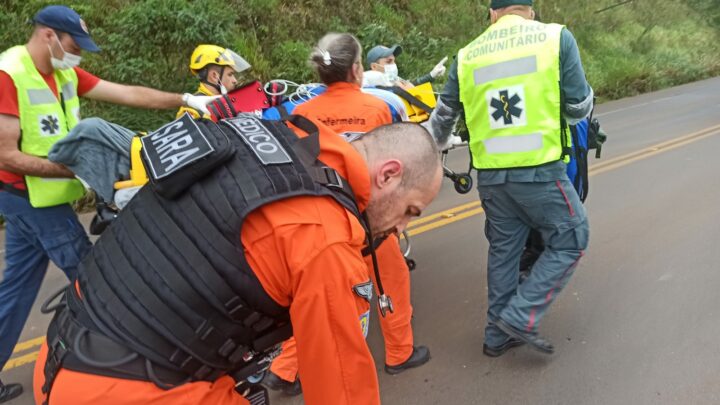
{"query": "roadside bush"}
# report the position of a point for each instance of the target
(635, 47)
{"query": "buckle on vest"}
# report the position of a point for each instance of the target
(333, 178)
(56, 353)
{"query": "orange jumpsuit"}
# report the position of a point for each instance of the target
(306, 253)
(345, 108)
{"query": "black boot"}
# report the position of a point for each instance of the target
(420, 355)
(491, 351)
(533, 340)
(10, 391)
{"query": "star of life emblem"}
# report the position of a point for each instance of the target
(506, 107)
(49, 125)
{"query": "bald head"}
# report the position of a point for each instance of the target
(526, 12)
(405, 173)
(407, 142)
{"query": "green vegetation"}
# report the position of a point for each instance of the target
(635, 47)
(639, 46)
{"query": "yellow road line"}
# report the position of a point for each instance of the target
(444, 221)
(455, 214)
(28, 344)
(21, 361)
(632, 157)
(449, 216)
(443, 214)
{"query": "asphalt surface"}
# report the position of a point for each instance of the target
(637, 324)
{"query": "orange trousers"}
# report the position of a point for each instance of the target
(395, 326)
(71, 388)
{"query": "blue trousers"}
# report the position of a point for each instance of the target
(512, 209)
(33, 236)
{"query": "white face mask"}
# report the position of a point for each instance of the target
(391, 72)
(68, 61)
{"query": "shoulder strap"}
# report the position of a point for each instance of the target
(308, 151)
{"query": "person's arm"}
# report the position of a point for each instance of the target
(577, 93)
(438, 70)
(448, 108)
(423, 79)
(145, 97)
(134, 96)
(15, 161)
(335, 364)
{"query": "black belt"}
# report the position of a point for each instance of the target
(10, 188)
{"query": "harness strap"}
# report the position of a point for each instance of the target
(409, 98)
(57, 350)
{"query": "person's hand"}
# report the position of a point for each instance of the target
(439, 69)
(198, 102)
(404, 84)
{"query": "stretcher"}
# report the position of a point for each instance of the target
(463, 182)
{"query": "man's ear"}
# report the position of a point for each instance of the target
(213, 76)
(389, 173)
(377, 67)
(48, 34)
(493, 16)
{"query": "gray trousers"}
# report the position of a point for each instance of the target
(512, 209)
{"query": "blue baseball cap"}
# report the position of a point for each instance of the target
(66, 20)
(381, 51)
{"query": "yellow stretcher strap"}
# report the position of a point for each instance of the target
(138, 175)
(425, 94)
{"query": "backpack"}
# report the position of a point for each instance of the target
(586, 135)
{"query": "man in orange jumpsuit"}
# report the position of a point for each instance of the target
(345, 108)
(306, 255)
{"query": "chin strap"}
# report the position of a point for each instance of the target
(217, 86)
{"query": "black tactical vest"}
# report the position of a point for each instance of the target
(167, 286)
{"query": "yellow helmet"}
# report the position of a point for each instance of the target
(205, 55)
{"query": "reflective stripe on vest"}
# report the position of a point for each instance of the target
(510, 88)
(44, 120)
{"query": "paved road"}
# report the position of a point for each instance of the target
(638, 322)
